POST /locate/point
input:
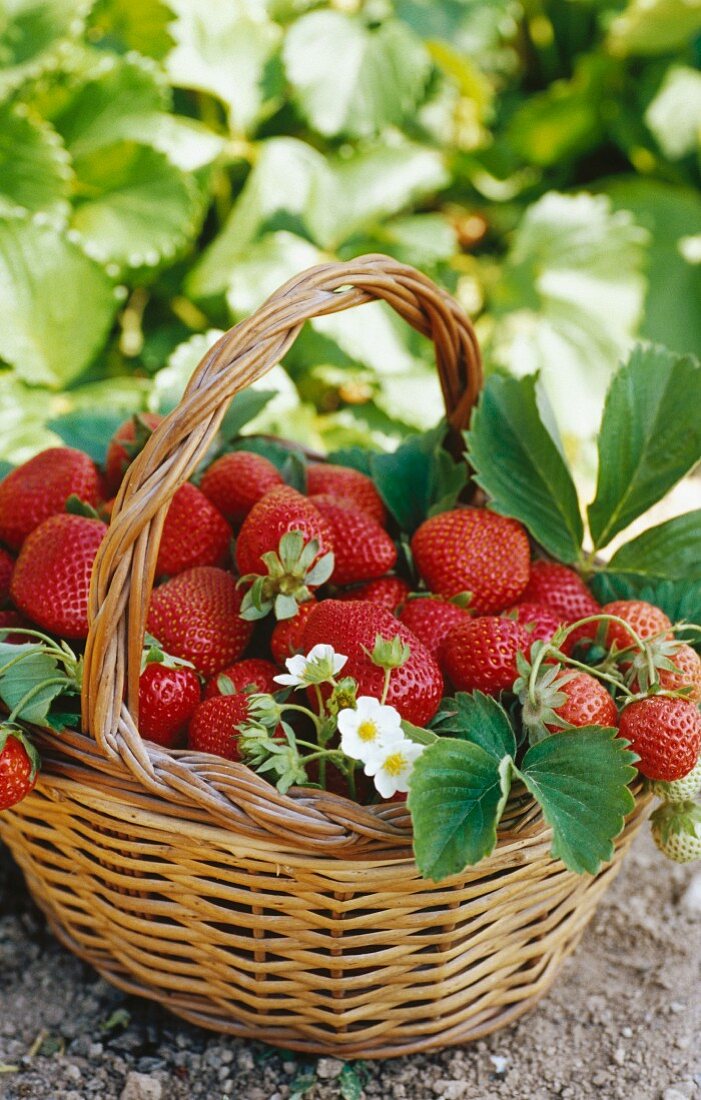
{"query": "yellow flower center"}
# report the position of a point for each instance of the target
(367, 730)
(394, 764)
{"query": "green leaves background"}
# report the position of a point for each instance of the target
(163, 166)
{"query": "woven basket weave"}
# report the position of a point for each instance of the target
(297, 919)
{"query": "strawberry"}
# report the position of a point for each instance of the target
(125, 445)
(12, 618)
(214, 725)
(676, 830)
(540, 621)
(41, 487)
(685, 675)
(480, 655)
(363, 550)
(195, 616)
(194, 533)
(561, 589)
(473, 550)
(646, 620)
(666, 734)
(51, 581)
(431, 620)
(587, 702)
(344, 483)
(168, 697)
(415, 689)
(237, 481)
(19, 765)
(679, 790)
(284, 549)
(389, 592)
(286, 639)
(7, 564)
(253, 674)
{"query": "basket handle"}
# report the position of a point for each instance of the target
(125, 566)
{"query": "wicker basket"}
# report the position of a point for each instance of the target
(300, 920)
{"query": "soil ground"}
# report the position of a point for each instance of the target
(623, 1021)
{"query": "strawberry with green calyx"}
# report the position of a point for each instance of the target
(480, 655)
(7, 565)
(19, 765)
(51, 580)
(252, 675)
(389, 592)
(169, 692)
(293, 571)
(215, 725)
(363, 550)
(286, 638)
(473, 550)
(431, 619)
(676, 830)
(346, 484)
(665, 732)
(540, 621)
(194, 533)
(679, 790)
(196, 616)
(40, 488)
(237, 481)
(556, 698)
(127, 442)
(676, 667)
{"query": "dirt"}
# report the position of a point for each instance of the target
(623, 1021)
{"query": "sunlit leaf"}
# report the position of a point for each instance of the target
(674, 115)
(649, 27)
(32, 32)
(35, 169)
(125, 25)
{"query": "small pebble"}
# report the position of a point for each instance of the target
(139, 1086)
(329, 1068)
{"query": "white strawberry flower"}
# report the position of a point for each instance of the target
(321, 664)
(392, 768)
(369, 728)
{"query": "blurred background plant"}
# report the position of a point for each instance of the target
(164, 166)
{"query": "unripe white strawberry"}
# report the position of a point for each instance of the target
(676, 830)
(679, 790)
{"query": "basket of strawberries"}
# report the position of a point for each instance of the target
(340, 754)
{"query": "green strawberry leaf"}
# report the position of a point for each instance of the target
(139, 25)
(88, 430)
(680, 600)
(357, 458)
(457, 793)
(48, 345)
(525, 476)
(671, 549)
(35, 169)
(243, 407)
(419, 479)
(650, 437)
(477, 718)
(349, 78)
(33, 34)
(23, 671)
(580, 778)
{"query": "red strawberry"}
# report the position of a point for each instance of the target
(12, 618)
(51, 581)
(213, 726)
(473, 550)
(480, 655)
(237, 481)
(431, 620)
(588, 703)
(389, 592)
(125, 445)
(253, 674)
(7, 564)
(540, 621)
(167, 700)
(344, 483)
(194, 533)
(280, 511)
(40, 488)
(686, 673)
(286, 639)
(646, 620)
(666, 734)
(19, 763)
(362, 548)
(560, 589)
(196, 616)
(351, 628)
